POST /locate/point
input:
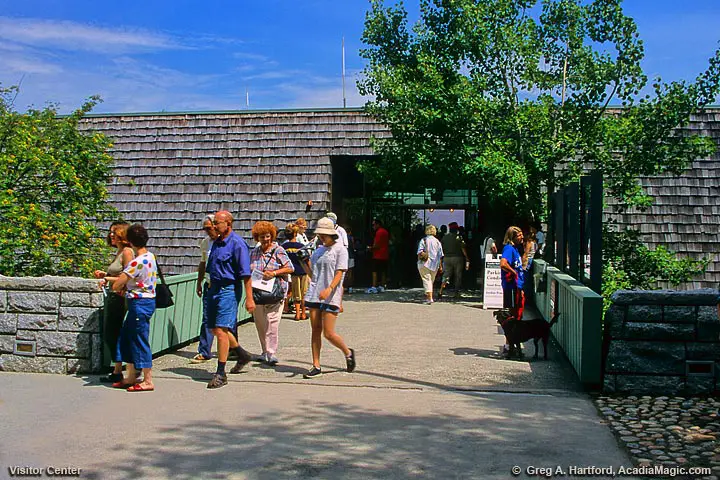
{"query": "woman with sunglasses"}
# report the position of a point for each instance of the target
(115, 305)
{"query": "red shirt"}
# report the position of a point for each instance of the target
(381, 244)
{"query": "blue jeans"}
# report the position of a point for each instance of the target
(223, 302)
(206, 335)
(135, 333)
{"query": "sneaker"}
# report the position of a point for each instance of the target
(112, 378)
(313, 372)
(380, 289)
(217, 381)
(199, 359)
(350, 361)
(427, 301)
(262, 358)
(272, 360)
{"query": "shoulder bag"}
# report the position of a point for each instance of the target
(424, 255)
(261, 297)
(163, 295)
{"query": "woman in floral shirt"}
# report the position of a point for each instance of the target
(138, 282)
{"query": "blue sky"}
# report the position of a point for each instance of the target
(187, 55)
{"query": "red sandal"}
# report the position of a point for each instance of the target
(139, 387)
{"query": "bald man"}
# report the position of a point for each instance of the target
(228, 266)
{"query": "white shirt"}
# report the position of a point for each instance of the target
(325, 261)
(343, 235)
(205, 246)
(433, 247)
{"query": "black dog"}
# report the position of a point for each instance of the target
(518, 332)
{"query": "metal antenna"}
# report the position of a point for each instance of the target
(247, 98)
(343, 73)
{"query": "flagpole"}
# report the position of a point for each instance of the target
(343, 73)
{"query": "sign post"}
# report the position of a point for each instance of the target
(492, 289)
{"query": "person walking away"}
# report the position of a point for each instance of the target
(380, 257)
(115, 307)
(429, 254)
(138, 281)
(539, 238)
(299, 281)
(206, 336)
(350, 276)
(326, 268)
(229, 268)
(272, 260)
(343, 239)
(455, 258)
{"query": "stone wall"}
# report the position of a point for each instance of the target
(59, 316)
(662, 342)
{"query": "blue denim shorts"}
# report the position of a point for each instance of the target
(323, 307)
(135, 334)
(222, 306)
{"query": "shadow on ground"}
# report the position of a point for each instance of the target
(331, 440)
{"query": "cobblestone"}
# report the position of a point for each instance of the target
(675, 431)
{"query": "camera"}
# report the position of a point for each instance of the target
(304, 253)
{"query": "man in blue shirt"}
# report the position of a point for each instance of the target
(513, 273)
(228, 266)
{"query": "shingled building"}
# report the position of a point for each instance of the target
(174, 168)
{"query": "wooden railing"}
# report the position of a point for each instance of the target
(173, 327)
(579, 330)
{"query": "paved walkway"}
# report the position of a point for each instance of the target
(430, 398)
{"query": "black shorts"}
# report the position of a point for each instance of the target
(510, 297)
(380, 266)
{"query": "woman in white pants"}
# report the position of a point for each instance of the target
(430, 254)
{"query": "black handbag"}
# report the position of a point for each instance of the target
(163, 295)
(262, 297)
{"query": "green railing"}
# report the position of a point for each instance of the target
(179, 324)
(579, 329)
(173, 327)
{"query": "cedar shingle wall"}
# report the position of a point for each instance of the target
(685, 216)
(173, 169)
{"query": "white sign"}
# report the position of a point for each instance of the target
(492, 289)
(258, 282)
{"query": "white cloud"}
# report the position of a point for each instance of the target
(23, 64)
(66, 35)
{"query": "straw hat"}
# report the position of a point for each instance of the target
(325, 226)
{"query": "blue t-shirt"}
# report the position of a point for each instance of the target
(229, 260)
(511, 254)
(291, 248)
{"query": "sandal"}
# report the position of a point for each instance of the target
(140, 387)
(199, 358)
(122, 384)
